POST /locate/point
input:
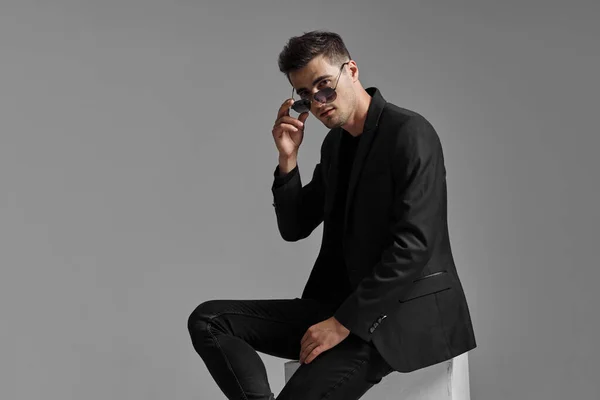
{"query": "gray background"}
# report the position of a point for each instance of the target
(136, 162)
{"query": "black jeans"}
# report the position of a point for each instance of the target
(227, 333)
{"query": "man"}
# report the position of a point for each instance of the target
(384, 294)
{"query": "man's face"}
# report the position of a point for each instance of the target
(303, 81)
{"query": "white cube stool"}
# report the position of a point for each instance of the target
(448, 380)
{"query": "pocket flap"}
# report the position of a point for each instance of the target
(428, 284)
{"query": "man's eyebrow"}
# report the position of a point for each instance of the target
(320, 78)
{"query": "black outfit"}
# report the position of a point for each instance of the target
(385, 269)
(276, 327)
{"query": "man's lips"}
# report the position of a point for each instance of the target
(324, 112)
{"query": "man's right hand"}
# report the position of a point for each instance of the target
(288, 131)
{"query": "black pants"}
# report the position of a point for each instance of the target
(227, 333)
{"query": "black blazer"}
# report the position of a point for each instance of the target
(407, 297)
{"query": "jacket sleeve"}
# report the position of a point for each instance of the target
(299, 210)
(419, 179)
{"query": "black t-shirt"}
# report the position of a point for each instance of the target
(346, 157)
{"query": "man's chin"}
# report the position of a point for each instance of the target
(331, 123)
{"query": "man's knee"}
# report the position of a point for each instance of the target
(201, 316)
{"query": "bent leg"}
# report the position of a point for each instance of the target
(228, 333)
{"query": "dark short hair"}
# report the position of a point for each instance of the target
(300, 50)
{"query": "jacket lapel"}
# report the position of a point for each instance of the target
(364, 144)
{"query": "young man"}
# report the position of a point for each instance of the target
(384, 294)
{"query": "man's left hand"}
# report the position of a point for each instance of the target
(321, 337)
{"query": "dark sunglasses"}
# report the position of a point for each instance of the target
(325, 95)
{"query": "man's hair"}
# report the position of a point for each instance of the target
(300, 50)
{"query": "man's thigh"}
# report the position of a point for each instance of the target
(270, 326)
(344, 372)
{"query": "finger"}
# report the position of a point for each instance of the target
(302, 345)
(303, 353)
(307, 350)
(281, 127)
(303, 116)
(290, 120)
(313, 354)
(285, 108)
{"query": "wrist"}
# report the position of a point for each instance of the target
(287, 163)
(339, 325)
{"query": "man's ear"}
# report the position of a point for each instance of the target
(353, 71)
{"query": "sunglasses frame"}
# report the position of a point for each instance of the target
(303, 105)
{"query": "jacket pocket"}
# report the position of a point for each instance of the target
(428, 284)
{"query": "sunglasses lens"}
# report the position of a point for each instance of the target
(326, 95)
(301, 106)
